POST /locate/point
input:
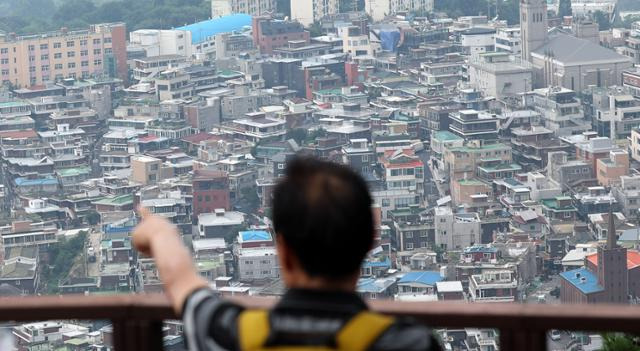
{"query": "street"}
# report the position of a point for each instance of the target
(544, 289)
(93, 268)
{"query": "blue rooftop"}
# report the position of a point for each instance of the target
(200, 31)
(255, 235)
(372, 285)
(480, 248)
(38, 181)
(583, 279)
(424, 277)
(377, 264)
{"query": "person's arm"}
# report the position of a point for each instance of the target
(157, 237)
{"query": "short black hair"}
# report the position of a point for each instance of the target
(323, 212)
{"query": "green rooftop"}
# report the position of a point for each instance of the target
(554, 205)
(13, 104)
(470, 182)
(116, 201)
(72, 172)
(444, 135)
(501, 167)
(227, 73)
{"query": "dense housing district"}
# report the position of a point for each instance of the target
(502, 159)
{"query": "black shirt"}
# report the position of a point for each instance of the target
(301, 317)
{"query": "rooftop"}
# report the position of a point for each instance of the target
(200, 31)
(422, 277)
(583, 279)
(633, 259)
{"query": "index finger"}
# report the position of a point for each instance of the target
(143, 212)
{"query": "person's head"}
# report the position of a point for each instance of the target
(323, 222)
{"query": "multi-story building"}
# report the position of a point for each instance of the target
(402, 169)
(472, 124)
(461, 162)
(508, 40)
(379, 9)
(145, 169)
(493, 286)
(456, 230)
(499, 74)
(161, 42)
(38, 59)
(269, 33)
(309, 11)
(210, 191)
(257, 263)
(627, 192)
(561, 111)
(221, 8)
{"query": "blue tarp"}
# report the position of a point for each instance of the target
(202, 30)
(389, 40)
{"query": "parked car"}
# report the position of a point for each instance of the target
(556, 335)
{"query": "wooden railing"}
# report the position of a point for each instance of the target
(137, 319)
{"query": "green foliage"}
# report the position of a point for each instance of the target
(602, 19)
(564, 8)
(31, 16)
(629, 20)
(315, 29)
(620, 342)
(61, 258)
(315, 134)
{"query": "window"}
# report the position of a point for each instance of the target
(5, 72)
(71, 44)
(57, 55)
(57, 45)
(58, 66)
(96, 41)
(4, 61)
(32, 69)
(44, 57)
(409, 246)
(108, 40)
(44, 68)
(84, 63)
(122, 277)
(4, 51)
(97, 51)
(83, 42)
(71, 54)
(32, 47)
(248, 262)
(84, 53)
(71, 65)
(97, 62)
(44, 46)
(408, 235)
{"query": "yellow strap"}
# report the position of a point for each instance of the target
(253, 329)
(362, 331)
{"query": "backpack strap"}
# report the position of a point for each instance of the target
(253, 329)
(362, 331)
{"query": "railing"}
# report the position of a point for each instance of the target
(137, 319)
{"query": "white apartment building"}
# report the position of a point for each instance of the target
(456, 230)
(507, 39)
(309, 11)
(493, 286)
(379, 9)
(157, 42)
(257, 263)
(220, 8)
(561, 111)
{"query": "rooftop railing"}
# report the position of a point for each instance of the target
(137, 319)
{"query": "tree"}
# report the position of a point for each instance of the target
(250, 196)
(620, 342)
(93, 217)
(564, 8)
(315, 29)
(602, 19)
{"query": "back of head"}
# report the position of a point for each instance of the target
(322, 210)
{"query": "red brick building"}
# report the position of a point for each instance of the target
(210, 191)
(269, 34)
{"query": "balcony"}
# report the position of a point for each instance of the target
(137, 319)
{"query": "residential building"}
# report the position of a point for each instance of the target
(38, 59)
(418, 283)
(219, 224)
(379, 9)
(472, 125)
(456, 230)
(493, 286)
(309, 11)
(627, 192)
(257, 263)
(161, 42)
(609, 170)
(210, 191)
(508, 40)
(145, 169)
(561, 111)
(270, 33)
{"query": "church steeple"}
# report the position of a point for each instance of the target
(533, 25)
